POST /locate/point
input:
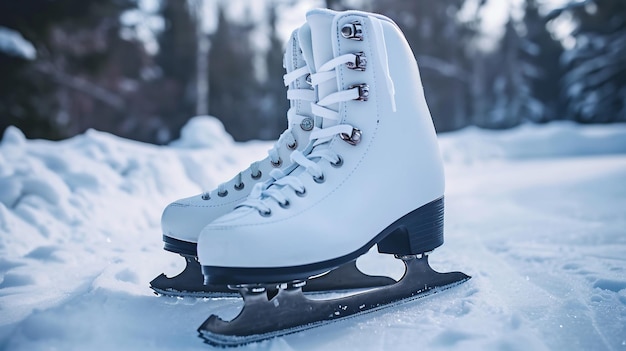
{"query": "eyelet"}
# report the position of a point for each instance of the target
(284, 205)
(301, 193)
(222, 194)
(206, 196)
(353, 30)
(256, 176)
(320, 179)
(363, 90)
(239, 186)
(359, 63)
(277, 163)
(293, 146)
(352, 139)
(339, 162)
(265, 213)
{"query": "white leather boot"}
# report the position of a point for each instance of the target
(372, 173)
(183, 219)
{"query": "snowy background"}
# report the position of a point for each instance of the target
(536, 215)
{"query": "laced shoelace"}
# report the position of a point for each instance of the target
(319, 136)
(287, 137)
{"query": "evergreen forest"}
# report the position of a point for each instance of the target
(141, 69)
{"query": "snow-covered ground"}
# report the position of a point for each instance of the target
(537, 216)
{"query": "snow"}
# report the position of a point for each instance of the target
(536, 215)
(13, 43)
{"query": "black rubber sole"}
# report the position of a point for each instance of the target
(181, 247)
(417, 232)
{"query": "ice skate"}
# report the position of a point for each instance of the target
(371, 175)
(183, 220)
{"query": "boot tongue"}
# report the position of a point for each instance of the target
(304, 39)
(291, 60)
(294, 59)
(320, 22)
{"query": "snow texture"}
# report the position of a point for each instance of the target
(13, 43)
(537, 215)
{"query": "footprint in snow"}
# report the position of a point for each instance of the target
(45, 253)
(609, 284)
(6, 265)
(12, 280)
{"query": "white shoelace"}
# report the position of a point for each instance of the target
(319, 136)
(287, 137)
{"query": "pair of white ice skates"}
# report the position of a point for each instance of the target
(358, 166)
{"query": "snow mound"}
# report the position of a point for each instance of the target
(77, 188)
(203, 132)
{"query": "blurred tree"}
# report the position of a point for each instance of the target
(176, 60)
(25, 95)
(440, 43)
(273, 103)
(77, 80)
(235, 92)
(25, 100)
(595, 79)
(509, 87)
(519, 80)
(89, 73)
(541, 54)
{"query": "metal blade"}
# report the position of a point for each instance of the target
(265, 316)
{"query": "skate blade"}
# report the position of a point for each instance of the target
(190, 282)
(289, 311)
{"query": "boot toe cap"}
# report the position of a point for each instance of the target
(185, 218)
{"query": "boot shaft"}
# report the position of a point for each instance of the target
(183, 219)
(391, 114)
(372, 166)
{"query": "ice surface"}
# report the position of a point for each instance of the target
(537, 215)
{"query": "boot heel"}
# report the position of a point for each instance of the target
(417, 232)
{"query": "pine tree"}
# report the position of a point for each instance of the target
(73, 83)
(519, 80)
(595, 81)
(274, 104)
(177, 62)
(439, 41)
(27, 97)
(541, 53)
(510, 88)
(234, 91)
